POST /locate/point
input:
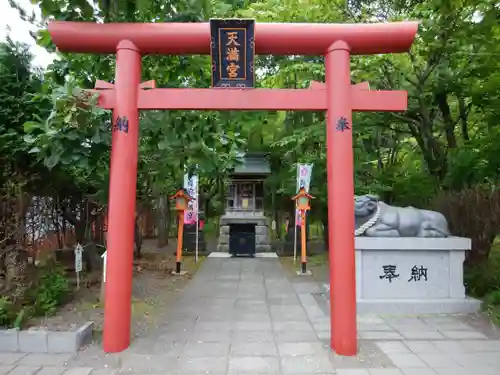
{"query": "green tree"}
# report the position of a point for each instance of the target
(75, 136)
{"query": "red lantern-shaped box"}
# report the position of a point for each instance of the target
(182, 199)
(303, 200)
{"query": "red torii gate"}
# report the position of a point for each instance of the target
(337, 42)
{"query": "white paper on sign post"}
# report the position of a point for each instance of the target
(104, 256)
(78, 258)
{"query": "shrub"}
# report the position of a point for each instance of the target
(6, 312)
(492, 305)
(493, 298)
(51, 290)
(481, 279)
(474, 213)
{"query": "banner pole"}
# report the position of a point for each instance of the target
(295, 234)
(197, 204)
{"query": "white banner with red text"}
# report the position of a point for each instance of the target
(304, 172)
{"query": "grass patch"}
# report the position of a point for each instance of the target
(317, 264)
(190, 265)
(318, 260)
(492, 306)
(483, 281)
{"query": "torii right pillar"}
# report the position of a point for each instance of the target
(340, 174)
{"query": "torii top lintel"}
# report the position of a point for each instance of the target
(270, 38)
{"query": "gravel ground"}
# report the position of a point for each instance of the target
(153, 287)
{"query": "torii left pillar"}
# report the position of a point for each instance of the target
(122, 196)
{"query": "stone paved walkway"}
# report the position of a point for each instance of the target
(244, 316)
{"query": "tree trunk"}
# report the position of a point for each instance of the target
(169, 221)
(98, 230)
(432, 152)
(277, 231)
(324, 220)
(449, 123)
(480, 250)
(279, 225)
(90, 255)
(463, 118)
(162, 221)
(137, 238)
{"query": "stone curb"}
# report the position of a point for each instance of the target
(41, 341)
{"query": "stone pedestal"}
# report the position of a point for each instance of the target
(261, 231)
(189, 239)
(412, 276)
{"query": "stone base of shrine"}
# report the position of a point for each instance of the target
(252, 229)
(411, 276)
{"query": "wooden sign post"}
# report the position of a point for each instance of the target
(303, 203)
(182, 199)
(78, 263)
(103, 280)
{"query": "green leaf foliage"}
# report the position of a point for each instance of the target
(447, 139)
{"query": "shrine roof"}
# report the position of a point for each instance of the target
(253, 164)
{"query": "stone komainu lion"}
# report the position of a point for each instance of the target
(396, 221)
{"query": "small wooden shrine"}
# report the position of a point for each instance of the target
(244, 227)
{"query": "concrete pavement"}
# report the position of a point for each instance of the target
(246, 316)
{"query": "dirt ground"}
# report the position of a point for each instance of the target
(153, 287)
